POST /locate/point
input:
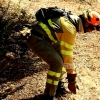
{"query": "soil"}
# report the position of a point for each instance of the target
(24, 77)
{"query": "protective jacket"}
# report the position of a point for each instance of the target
(62, 31)
(53, 42)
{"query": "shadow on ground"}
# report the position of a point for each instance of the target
(18, 68)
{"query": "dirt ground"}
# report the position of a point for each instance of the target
(23, 83)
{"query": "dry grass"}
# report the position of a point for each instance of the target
(22, 80)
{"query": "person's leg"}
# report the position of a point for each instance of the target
(61, 89)
(44, 50)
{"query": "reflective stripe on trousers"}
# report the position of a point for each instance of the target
(44, 50)
(52, 81)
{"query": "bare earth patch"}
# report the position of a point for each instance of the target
(23, 83)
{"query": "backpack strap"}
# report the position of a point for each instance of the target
(67, 14)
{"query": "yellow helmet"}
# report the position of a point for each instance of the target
(92, 17)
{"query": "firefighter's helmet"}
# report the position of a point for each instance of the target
(92, 17)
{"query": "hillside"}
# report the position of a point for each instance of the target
(23, 78)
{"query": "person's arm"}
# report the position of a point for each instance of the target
(80, 27)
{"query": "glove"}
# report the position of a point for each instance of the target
(72, 86)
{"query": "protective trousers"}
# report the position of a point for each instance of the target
(46, 51)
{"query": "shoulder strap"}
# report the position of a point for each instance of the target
(67, 14)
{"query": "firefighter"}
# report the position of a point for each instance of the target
(55, 46)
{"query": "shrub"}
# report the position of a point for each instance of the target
(12, 17)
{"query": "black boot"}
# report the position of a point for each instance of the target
(43, 97)
(61, 90)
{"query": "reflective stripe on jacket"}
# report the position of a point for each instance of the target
(66, 37)
(50, 33)
(67, 40)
